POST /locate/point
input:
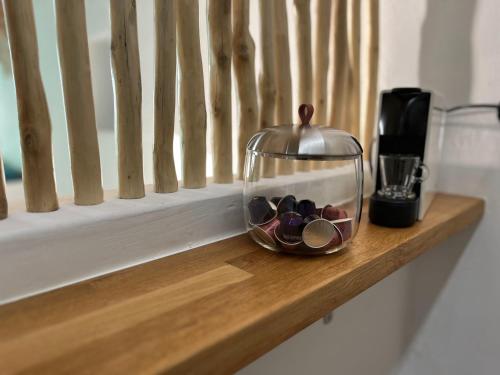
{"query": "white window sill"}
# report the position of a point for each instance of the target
(40, 252)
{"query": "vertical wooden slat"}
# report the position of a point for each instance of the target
(4, 210)
(244, 67)
(304, 58)
(33, 111)
(353, 36)
(267, 87)
(128, 97)
(371, 93)
(284, 106)
(165, 177)
(321, 52)
(192, 95)
(219, 20)
(78, 100)
(340, 61)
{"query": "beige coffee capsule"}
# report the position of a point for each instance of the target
(321, 234)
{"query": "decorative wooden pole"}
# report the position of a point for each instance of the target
(244, 67)
(193, 109)
(353, 36)
(304, 58)
(340, 61)
(219, 20)
(371, 92)
(33, 111)
(3, 197)
(165, 177)
(267, 87)
(284, 106)
(321, 52)
(79, 101)
(128, 97)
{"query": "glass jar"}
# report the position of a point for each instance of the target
(313, 204)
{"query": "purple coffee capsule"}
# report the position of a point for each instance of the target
(292, 247)
(287, 204)
(290, 228)
(261, 211)
(306, 207)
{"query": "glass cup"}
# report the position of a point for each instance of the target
(398, 175)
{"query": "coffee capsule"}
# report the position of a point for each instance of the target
(306, 207)
(345, 227)
(273, 206)
(287, 245)
(333, 213)
(321, 234)
(291, 224)
(287, 204)
(276, 200)
(265, 232)
(310, 218)
(260, 210)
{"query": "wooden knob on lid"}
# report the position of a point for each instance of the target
(305, 113)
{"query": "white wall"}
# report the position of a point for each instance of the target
(438, 315)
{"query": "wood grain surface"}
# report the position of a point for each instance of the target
(33, 111)
(128, 97)
(219, 21)
(209, 310)
(244, 68)
(193, 114)
(79, 101)
(165, 177)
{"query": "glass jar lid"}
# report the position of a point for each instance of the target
(305, 141)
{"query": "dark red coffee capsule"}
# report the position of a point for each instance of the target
(333, 213)
(345, 227)
(265, 232)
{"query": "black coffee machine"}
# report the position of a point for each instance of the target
(410, 123)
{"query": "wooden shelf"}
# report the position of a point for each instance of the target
(210, 310)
